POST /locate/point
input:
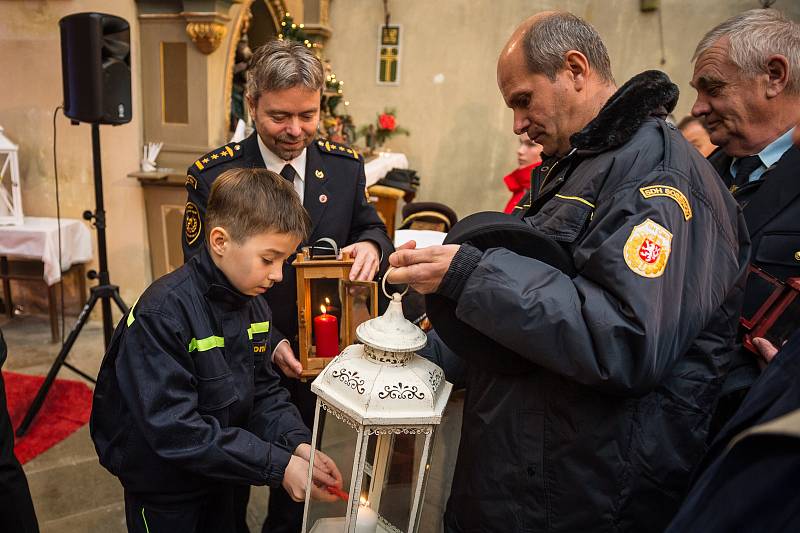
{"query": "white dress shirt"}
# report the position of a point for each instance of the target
(276, 164)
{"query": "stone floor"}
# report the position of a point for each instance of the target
(73, 493)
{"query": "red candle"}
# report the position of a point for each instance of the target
(326, 334)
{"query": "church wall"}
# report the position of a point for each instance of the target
(461, 141)
(30, 52)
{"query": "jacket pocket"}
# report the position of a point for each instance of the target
(564, 218)
(779, 249)
(210, 364)
(216, 393)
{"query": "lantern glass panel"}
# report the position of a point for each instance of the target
(786, 324)
(338, 441)
(7, 163)
(391, 477)
(762, 286)
(325, 292)
(358, 296)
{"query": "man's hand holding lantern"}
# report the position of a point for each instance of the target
(422, 269)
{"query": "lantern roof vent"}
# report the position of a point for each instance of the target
(382, 381)
(391, 332)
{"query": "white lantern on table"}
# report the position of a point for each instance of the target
(378, 405)
(10, 195)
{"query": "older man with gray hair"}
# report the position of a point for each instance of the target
(747, 77)
(618, 360)
(284, 86)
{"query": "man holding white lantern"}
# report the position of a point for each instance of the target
(597, 415)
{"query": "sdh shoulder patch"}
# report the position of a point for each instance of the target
(192, 225)
(229, 152)
(669, 192)
(330, 147)
(647, 249)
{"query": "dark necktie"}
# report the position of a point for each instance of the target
(744, 167)
(288, 173)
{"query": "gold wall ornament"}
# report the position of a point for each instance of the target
(207, 36)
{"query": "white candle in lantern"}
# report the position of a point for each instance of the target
(366, 520)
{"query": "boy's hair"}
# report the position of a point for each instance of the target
(248, 201)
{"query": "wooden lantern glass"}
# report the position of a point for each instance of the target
(310, 270)
(778, 317)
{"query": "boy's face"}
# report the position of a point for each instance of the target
(254, 265)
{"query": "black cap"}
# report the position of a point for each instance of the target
(428, 212)
(484, 231)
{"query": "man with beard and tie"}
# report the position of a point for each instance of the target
(284, 86)
(747, 77)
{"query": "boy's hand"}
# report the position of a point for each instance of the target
(366, 260)
(295, 477)
(325, 473)
(284, 357)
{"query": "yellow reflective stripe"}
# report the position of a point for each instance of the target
(131, 318)
(146, 527)
(258, 327)
(198, 164)
(576, 198)
(206, 344)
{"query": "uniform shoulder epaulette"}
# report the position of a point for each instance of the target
(338, 149)
(229, 152)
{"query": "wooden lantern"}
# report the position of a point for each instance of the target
(778, 316)
(311, 270)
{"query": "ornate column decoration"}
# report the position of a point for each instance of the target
(207, 36)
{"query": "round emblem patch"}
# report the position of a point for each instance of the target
(191, 223)
(647, 249)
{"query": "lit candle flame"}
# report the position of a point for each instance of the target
(327, 301)
(364, 501)
(323, 309)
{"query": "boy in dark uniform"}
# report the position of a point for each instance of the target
(284, 87)
(186, 406)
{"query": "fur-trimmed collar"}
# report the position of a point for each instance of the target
(650, 93)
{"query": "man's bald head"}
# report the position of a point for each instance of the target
(544, 39)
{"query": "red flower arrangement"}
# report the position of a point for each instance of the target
(387, 122)
(385, 127)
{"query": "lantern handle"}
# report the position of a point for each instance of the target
(334, 246)
(383, 284)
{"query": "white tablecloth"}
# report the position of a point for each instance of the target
(37, 238)
(381, 165)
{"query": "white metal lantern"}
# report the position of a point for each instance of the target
(10, 196)
(379, 404)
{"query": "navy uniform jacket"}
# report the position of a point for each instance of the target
(626, 358)
(335, 198)
(771, 207)
(184, 399)
(754, 461)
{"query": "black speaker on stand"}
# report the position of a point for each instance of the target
(96, 69)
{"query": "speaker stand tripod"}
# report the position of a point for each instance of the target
(103, 292)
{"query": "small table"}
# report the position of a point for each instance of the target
(36, 241)
(377, 167)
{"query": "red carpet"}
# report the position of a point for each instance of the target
(66, 408)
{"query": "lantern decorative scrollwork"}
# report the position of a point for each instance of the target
(378, 405)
